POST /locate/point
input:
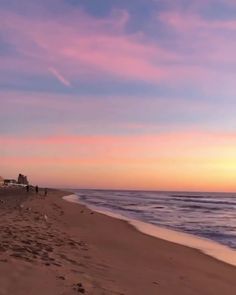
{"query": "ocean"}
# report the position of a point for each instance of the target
(205, 215)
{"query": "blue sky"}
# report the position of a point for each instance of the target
(117, 69)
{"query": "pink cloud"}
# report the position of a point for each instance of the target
(208, 38)
(142, 142)
(88, 48)
(209, 49)
(85, 42)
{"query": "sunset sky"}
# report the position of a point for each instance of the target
(137, 94)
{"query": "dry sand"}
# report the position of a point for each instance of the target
(50, 246)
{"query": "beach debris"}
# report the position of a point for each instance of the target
(79, 288)
(61, 278)
(72, 243)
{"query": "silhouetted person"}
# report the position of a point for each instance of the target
(45, 191)
(36, 189)
(27, 188)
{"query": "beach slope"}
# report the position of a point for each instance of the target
(51, 246)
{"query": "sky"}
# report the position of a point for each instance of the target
(119, 94)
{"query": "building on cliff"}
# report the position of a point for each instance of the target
(22, 179)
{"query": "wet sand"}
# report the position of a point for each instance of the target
(51, 246)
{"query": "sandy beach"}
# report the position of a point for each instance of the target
(51, 246)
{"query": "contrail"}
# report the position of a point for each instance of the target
(56, 74)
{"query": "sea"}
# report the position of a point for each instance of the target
(210, 216)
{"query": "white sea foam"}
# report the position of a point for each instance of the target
(208, 247)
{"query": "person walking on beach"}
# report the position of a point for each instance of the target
(27, 188)
(36, 189)
(45, 191)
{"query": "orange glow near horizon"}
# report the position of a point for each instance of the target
(191, 161)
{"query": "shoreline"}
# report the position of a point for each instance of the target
(49, 244)
(206, 246)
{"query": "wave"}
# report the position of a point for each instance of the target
(206, 246)
(202, 214)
